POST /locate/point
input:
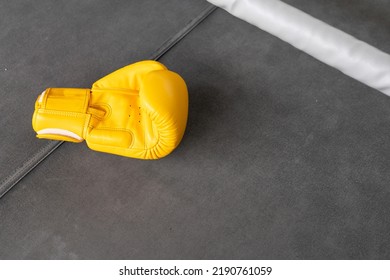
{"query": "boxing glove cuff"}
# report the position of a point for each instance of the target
(61, 114)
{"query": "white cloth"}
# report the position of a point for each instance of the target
(336, 48)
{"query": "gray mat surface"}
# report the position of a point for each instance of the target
(283, 158)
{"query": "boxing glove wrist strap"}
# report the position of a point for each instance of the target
(62, 114)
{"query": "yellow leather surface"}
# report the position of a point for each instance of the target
(138, 111)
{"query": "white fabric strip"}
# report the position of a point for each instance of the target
(336, 48)
(41, 96)
(62, 132)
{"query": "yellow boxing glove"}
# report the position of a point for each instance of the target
(138, 111)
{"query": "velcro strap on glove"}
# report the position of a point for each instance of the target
(61, 114)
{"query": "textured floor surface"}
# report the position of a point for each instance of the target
(283, 157)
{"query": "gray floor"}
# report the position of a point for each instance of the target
(283, 157)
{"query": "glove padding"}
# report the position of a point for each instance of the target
(138, 111)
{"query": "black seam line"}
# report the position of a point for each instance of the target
(168, 44)
(28, 165)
